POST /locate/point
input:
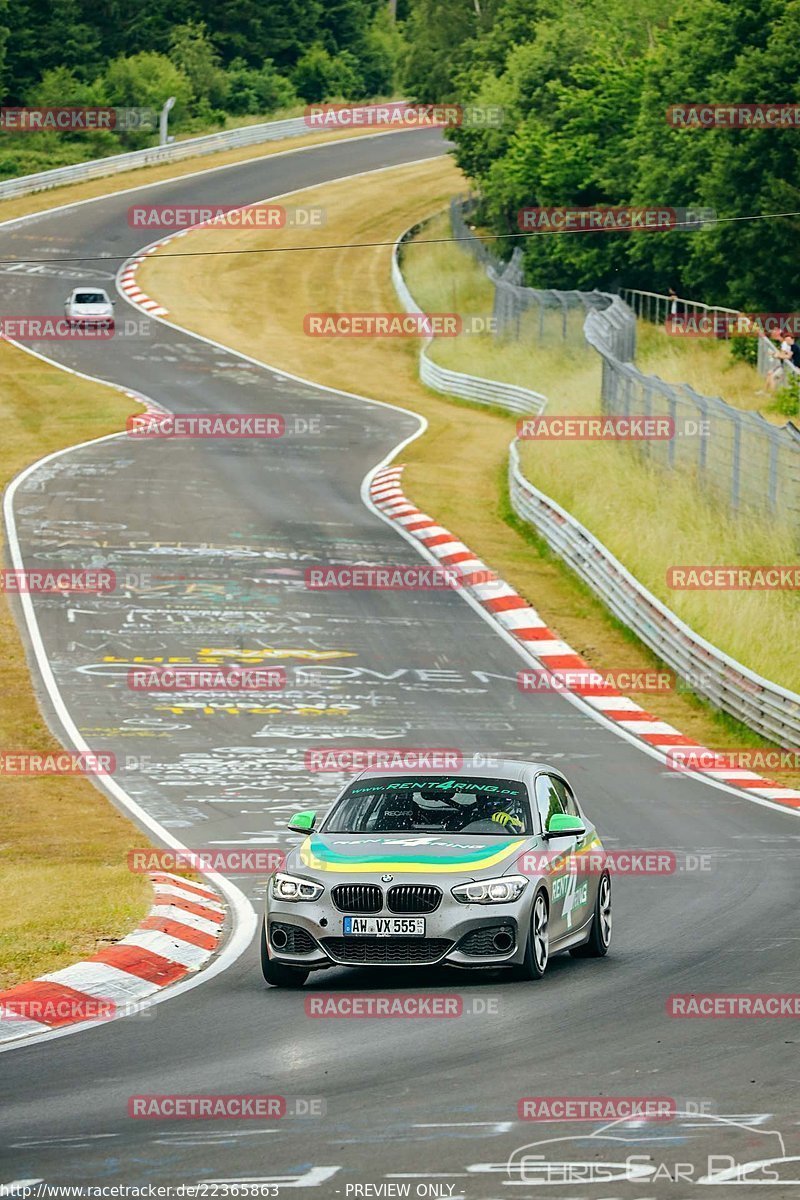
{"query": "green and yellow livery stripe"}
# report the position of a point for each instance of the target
(320, 857)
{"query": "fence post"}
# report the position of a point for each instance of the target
(774, 446)
(736, 460)
(647, 409)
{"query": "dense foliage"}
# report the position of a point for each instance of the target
(233, 59)
(585, 89)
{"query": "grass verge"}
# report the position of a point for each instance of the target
(65, 889)
(456, 471)
(705, 363)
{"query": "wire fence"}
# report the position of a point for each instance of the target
(742, 459)
(659, 309)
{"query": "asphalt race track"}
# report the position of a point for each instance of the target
(214, 537)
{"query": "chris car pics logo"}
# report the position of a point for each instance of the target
(733, 1150)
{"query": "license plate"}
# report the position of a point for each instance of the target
(384, 926)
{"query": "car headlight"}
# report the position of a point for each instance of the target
(293, 887)
(491, 891)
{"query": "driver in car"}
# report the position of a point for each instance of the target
(505, 811)
(503, 817)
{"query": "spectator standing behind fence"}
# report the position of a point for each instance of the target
(787, 350)
(675, 310)
(780, 357)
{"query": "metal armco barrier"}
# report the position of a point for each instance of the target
(458, 383)
(96, 168)
(765, 707)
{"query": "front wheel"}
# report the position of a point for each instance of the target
(277, 973)
(600, 936)
(537, 950)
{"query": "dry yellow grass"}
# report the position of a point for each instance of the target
(706, 364)
(456, 470)
(65, 889)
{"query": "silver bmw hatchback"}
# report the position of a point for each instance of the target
(491, 867)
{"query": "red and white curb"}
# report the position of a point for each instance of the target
(127, 284)
(151, 407)
(180, 934)
(518, 618)
(126, 280)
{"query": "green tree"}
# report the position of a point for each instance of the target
(191, 51)
(59, 86)
(723, 53)
(146, 80)
(437, 33)
(257, 91)
(43, 34)
(320, 75)
(257, 30)
(379, 56)
(570, 95)
(4, 35)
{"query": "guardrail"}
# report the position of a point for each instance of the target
(96, 168)
(648, 305)
(764, 706)
(457, 383)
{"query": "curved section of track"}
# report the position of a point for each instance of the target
(214, 537)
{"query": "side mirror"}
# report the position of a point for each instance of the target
(563, 825)
(303, 822)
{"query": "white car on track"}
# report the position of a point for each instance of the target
(88, 306)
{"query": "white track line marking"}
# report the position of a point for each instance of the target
(395, 472)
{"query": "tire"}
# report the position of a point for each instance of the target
(537, 949)
(276, 973)
(600, 935)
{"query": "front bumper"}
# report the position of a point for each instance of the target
(92, 321)
(310, 934)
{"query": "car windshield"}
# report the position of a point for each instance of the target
(91, 298)
(438, 804)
